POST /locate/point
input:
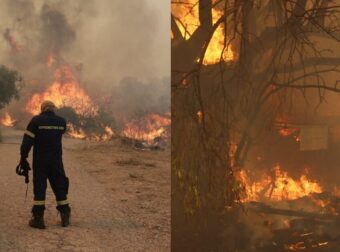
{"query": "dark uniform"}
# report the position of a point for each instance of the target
(44, 132)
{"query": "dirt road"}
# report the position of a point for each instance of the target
(120, 199)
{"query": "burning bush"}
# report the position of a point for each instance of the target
(99, 127)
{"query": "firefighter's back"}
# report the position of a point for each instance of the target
(49, 131)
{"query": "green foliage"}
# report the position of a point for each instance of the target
(10, 83)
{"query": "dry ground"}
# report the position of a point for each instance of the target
(120, 199)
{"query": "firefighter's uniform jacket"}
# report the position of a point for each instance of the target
(44, 133)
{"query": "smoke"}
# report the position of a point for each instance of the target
(114, 47)
(133, 98)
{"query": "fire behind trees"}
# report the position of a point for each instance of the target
(49, 44)
(267, 53)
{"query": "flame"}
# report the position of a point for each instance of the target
(80, 134)
(104, 137)
(296, 246)
(301, 246)
(7, 120)
(148, 128)
(186, 13)
(108, 134)
(65, 91)
(75, 133)
(278, 186)
(200, 117)
(287, 131)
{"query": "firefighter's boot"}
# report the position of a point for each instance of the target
(65, 214)
(37, 220)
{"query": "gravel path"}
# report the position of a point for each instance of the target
(101, 219)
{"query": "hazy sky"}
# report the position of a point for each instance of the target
(163, 36)
(113, 39)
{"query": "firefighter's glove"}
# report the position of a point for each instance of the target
(23, 169)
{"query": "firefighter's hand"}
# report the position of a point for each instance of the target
(23, 168)
(23, 161)
(24, 164)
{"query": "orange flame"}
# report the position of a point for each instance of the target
(80, 134)
(65, 91)
(148, 128)
(187, 16)
(287, 131)
(74, 133)
(278, 186)
(7, 120)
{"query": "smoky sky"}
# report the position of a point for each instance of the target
(117, 48)
(112, 40)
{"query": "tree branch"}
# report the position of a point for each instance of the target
(311, 62)
(333, 89)
(205, 14)
(175, 30)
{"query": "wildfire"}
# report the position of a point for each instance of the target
(65, 91)
(278, 186)
(7, 120)
(148, 128)
(80, 134)
(75, 133)
(186, 13)
(287, 131)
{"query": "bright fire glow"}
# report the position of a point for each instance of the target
(287, 131)
(186, 13)
(147, 128)
(74, 133)
(65, 91)
(7, 120)
(80, 134)
(278, 186)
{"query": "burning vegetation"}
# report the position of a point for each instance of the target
(241, 71)
(277, 185)
(7, 120)
(186, 16)
(93, 110)
(148, 128)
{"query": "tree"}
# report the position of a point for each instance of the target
(9, 85)
(218, 110)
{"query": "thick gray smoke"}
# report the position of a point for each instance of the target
(116, 47)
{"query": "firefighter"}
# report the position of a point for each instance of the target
(44, 133)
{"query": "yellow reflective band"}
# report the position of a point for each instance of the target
(29, 133)
(62, 202)
(39, 202)
(52, 127)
